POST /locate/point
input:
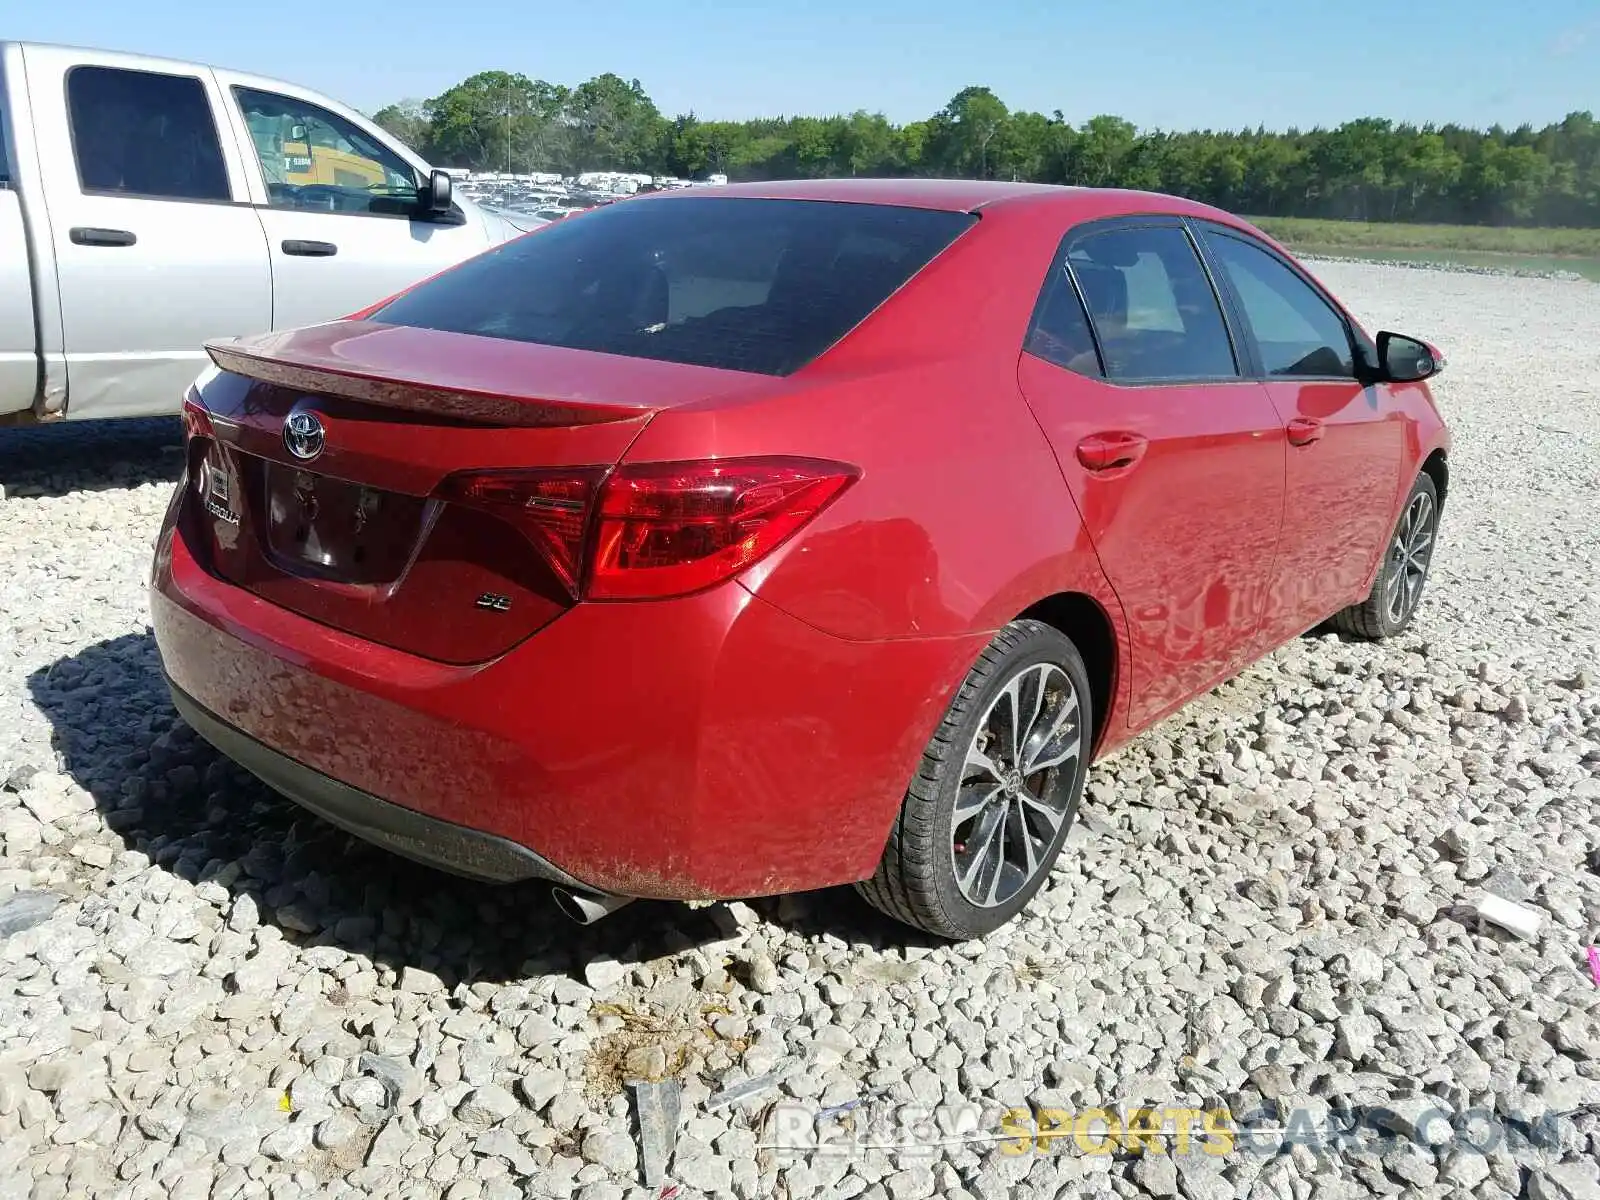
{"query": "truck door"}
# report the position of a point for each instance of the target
(156, 246)
(19, 342)
(339, 206)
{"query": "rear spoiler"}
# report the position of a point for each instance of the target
(342, 359)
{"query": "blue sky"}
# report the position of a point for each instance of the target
(1167, 63)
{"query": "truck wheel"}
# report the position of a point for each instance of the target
(996, 792)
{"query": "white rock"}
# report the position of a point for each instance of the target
(390, 1146)
(487, 1105)
(288, 1142)
(613, 1151)
(603, 974)
(538, 1088)
(338, 1130)
(416, 981)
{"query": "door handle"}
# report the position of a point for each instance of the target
(1109, 451)
(83, 235)
(306, 249)
(1304, 430)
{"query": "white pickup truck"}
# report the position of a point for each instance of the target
(148, 205)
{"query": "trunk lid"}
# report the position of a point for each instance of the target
(321, 464)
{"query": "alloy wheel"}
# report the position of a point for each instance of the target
(1016, 785)
(1409, 555)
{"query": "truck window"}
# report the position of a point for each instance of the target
(140, 133)
(314, 160)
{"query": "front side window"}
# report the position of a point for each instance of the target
(144, 134)
(314, 160)
(743, 284)
(1295, 330)
(1153, 307)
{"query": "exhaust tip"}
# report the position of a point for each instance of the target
(585, 908)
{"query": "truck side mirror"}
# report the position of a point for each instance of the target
(434, 196)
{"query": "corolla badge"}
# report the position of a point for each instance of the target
(303, 434)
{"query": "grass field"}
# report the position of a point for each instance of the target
(1353, 236)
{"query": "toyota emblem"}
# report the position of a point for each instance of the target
(303, 434)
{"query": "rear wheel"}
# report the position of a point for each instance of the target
(1392, 603)
(996, 792)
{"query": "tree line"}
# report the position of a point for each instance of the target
(1370, 169)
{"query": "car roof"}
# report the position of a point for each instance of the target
(951, 195)
(971, 195)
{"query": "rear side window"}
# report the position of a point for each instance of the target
(1060, 329)
(1153, 306)
(1295, 330)
(744, 284)
(144, 134)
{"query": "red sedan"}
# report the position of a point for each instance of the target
(799, 534)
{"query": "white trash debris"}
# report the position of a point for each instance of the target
(657, 1107)
(1517, 918)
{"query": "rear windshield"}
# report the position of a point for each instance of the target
(740, 283)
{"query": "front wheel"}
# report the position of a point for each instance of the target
(1396, 592)
(997, 790)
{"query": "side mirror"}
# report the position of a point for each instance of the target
(433, 197)
(1404, 359)
(298, 133)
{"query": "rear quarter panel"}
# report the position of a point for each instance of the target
(960, 519)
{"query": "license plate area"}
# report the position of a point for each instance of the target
(337, 530)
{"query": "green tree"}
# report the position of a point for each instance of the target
(964, 131)
(812, 139)
(1098, 154)
(497, 121)
(408, 121)
(616, 126)
(1026, 144)
(866, 145)
(1369, 168)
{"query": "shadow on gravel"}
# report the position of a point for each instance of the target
(55, 460)
(166, 793)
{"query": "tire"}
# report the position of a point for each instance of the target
(917, 881)
(1407, 558)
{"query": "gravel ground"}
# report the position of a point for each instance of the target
(1267, 903)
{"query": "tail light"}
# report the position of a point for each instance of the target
(196, 420)
(654, 530)
(666, 529)
(207, 464)
(551, 508)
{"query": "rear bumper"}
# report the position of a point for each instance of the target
(700, 748)
(455, 848)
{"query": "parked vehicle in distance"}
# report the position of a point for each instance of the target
(148, 205)
(801, 534)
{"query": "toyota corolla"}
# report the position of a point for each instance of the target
(801, 534)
